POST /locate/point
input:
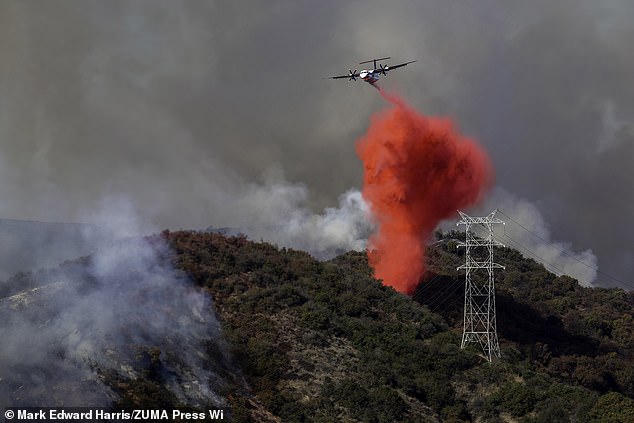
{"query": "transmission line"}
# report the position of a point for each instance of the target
(440, 294)
(566, 253)
(444, 300)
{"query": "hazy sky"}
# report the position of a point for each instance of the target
(179, 107)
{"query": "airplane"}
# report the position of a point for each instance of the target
(371, 76)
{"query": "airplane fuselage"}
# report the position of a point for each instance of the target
(369, 76)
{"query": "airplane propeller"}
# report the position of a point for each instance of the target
(352, 75)
(383, 69)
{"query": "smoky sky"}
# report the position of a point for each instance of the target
(180, 106)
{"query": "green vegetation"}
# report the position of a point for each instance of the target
(324, 341)
(315, 341)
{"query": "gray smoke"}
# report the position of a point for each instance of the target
(64, 328)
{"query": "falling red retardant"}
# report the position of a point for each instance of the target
(418, 171)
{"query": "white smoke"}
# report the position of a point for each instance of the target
(276, 211)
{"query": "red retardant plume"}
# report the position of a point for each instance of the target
(418, 171)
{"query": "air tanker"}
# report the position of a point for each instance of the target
(371, 76)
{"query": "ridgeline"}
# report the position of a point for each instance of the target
(324, 341)
(302, 340)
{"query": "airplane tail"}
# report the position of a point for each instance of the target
(374, 60)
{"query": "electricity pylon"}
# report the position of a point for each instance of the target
(479, 297)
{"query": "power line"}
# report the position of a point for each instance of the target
(437, 306)
(544, 262)
(547, 265)
(436, 295)
(440, 295)
(566, 253)
(426, 286)
(561, 250)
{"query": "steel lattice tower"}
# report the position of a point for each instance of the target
(479, 297)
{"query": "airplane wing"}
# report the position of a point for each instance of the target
(389, 68)
(351, 75)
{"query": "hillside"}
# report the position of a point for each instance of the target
(288, 338)
(324, 341)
